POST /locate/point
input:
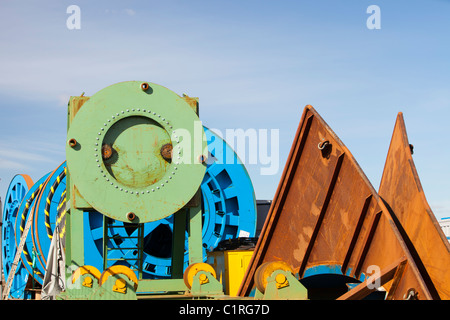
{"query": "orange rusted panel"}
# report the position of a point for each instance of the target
(400, 187)
(325, 212)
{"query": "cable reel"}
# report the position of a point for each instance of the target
(16, 192)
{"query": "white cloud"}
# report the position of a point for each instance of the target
(12, 165)
(130, 12)
(22, 155)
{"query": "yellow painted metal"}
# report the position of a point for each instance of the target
(195, 268)
(117, 270)
(87, 282)
(230, 266)
(120, 286)
(86, 270)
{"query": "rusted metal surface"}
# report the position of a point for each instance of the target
(166, 152)
(326, 213)
(107, 151)
(402, 191)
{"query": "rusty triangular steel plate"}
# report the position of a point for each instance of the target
(402, 192)
(326, 215)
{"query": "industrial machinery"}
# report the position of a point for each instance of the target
(146, 205)
(228, 207)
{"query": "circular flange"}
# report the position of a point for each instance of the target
(16, 192)
(116, 270)
(264, 271)
(136, 178)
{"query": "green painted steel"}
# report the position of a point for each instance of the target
(136, 124)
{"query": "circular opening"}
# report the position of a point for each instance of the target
(202, 158)
(136, 159)
(72, 142)
(131, 216)
(144, 86)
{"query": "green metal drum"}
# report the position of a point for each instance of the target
(136, 152)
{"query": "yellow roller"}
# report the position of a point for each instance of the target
(193, 269)
(266, 270)
(111, 271)
(85, 270)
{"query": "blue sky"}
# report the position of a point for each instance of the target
(253, 64)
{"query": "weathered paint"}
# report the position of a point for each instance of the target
(402, 191)
(136, 178)
(326, 212)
